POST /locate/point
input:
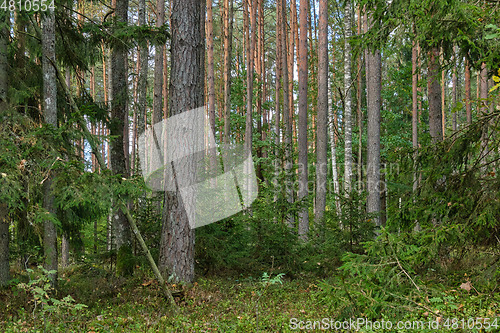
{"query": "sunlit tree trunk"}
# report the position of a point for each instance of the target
(50, 117)
(322, 116)
(186, 93)
(277, 104)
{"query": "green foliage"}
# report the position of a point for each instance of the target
(125, 261)
(45, 303)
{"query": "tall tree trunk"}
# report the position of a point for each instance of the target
(277, 101)
(434, 95)
(286, 115)
(468, 107)
(50, 116)
(483, 90)
(454, 92)
(186, 93)
(347, 116)
(4, 224)
(228, 34)
(158, 74)
(359, 113)
(443, 98)
(414, 115)
(322, 116)
(142, 79)
(119, 117)
(333, 141)
(303, 177)
(250, 41)
(374, 87)
(210, 66)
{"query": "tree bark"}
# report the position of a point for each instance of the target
(158, 74)
(359, 113)
(4, 85)
(210, 66)
(50, 116)
(186, 93)
(374, 87)
(142, 80)
(322, 116)
(454, 92)
(434, 95)
(286, 115)
(119, 117)
(303, 69)
(347, 116)
(228, 34)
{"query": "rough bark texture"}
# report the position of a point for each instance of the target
(277, 104)
(322, 115)
(186, 93)
(434, 95)
(158, 74)
(121, 228)
(303, 178)
(374, 87)
(347, 120)
(4, 242)
(50, 117)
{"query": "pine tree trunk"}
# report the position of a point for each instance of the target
(286, 115)
(322, 116)
(277, 104)
(186, 93)
(210, 66)
(303, 69)
(228, 34)
(374, 87)
(434, 96)
(454, 92)
(50, 115)
(347, 120)
(142, 79)
(119, 117)
(250, 41)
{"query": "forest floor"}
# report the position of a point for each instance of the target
(243, 304)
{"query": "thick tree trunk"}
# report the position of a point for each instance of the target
(434, 96)
(50, 115)
(322, 116)
(303, 176)
(347, 119)
(186, 93)
(374, 87)
(121, 228)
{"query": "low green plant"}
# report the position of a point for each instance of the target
(45, 304)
